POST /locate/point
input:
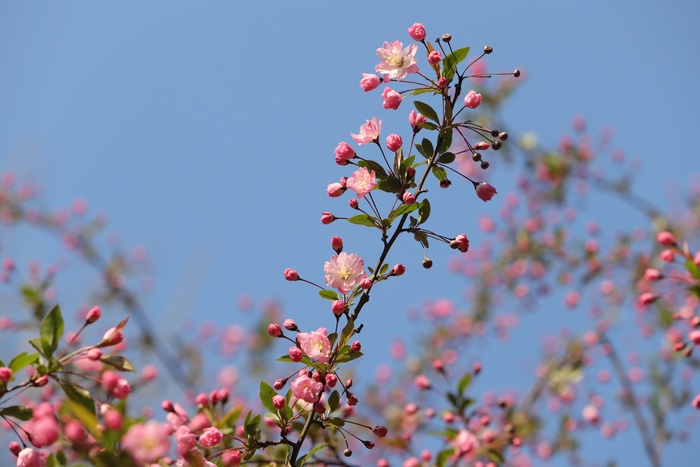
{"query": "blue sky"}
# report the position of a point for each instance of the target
(206, 131)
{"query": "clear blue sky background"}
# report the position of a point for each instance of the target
(206, 131)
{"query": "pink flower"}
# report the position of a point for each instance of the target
(396, 63)
(422, 382)
(185, 439)
(147, 442)
(335, 189)
(43, 427)
(326, 218)
(417, 32)
(465, 442)
(93, 315)
(652, 275)
(369, 132)
(295, 354)
(361, 182)
(393, 142)
(696, 402)
(380, 431)
(5, 374)
(211, 437)
(122, 389)
(278, 401)
(647, 298)
(306, 389)
(666, 239)
(355, 347)
(392, 99)
(291, 275)
(315, 344)
(344, 151)
(344, 272)
(590, 414)
(398, 270)
(461, 243)
(416, 119)
(434, 57)
(369, 82)
(472, 99)
(666, 256)
(29, 457)
(408, 198)
(337, 244)
(338, 307)
(290, 325)
(485, 191)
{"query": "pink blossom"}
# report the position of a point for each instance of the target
(278, 401)
(343, 153)
(29, 457)
(338, 307)
(666, 239)
(337, 244)
(408, 198)
(315, 344)
(274, 330)
(461, 243)
(485, 191)
(666, 256)
(369, 82)
(590, 414)
(335, 189)
(465, 442)
(398, 270)
(231, 458)
(344, 271)
(290, 325)
(326, 218)
(5, 374)
(652, 275)
(306, 389)
(211, 437)
(422, 382)
(361, 182)
(355, 347)
(417, 32)
(416, 119)
(442, 82)
(331, 380)
(291, 275)
(113, 419)
(185, 439)
(295, 354)
(694, 336)
(393, 142)
(146, 442)
(434, 57)
(395, 62)
(392, 99)
(122, 389)
(369, 132)
(472, 99)
(112, 337)
(93, 315)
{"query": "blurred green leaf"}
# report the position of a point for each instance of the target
(267, 392)
(20, 412)
(22, 360)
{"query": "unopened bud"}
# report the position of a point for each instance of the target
(447, 37)
(488, 49)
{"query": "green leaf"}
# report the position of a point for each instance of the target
(446, 158)
(334, 423)
(403, 209)
(464, 383)
(495, 456)
(346, 334)
(333, 401)
(443, 457)
(304, 458)
(118, 362)
(416, 92)
(79, 395)
(429, 126)
(449, 63)
(422, 238)
(84, 416)
(22, 360)
(251, 424)
(391, 184)
(427, 146)
(363, 219)
(231, 417)
(692, 269)
(445, 140)
(426, 110)
(328, 294)
(267, 392)
(384, 269)
(406, 163)
(20, 412)
(423, 211)
(440, 173)
(51, 330)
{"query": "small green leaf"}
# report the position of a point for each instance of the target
(450, 62)
(79, 395)
(333, 401)
(334, 423)
(391, 184)
(84, 416)
(443, 457)
(118, 362)
(693, 269)
(464, 383)
(346, 333)
(403, 209)
(422, 238)
(303, 459)
(328, 294)
(267, 392)
(445, 140)
(440, 173)
(495, 456)
(429, 126)
(363, 219)
(428, 149)
(423, 211)
(51, 330)
(446, 158)
(19, 412)
(426, 110)
(22, 360)
(384, 269)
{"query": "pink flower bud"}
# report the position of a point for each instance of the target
(355, 347)
(461, 243)
(338, 307)
(291, 275)
(94, 354)
(666, 256)
(327, 218)
(422, 382)
(344, 151)
(410, 172)
(366, 283)
(666, 239)
(472, 99)
(590, 414)
(352, 399)
(274, 330)
(331, 380)
(41, 381)
(434, 57)
(369, 82)
(408, 198)
(295, 354)
(337, 244)
(211, 437)
(380, 431)
(5, 374)
(442, 82)
(15, 448)
(167, 406)
(279, 384)
(694, 337)
(335, 189)
(278, 401)
(482, 146)
(112, 337)
(93, 315)
(647, 298)
(398, 270)
(348, 383)
(696, 402)
(392, 99)
(416, 119)
(353, 203)
(417, 32)
(393, 142)
(201, 399)
(290, 325)
(652, 275)
(485, 191)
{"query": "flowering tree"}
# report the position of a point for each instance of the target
(69, 403)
